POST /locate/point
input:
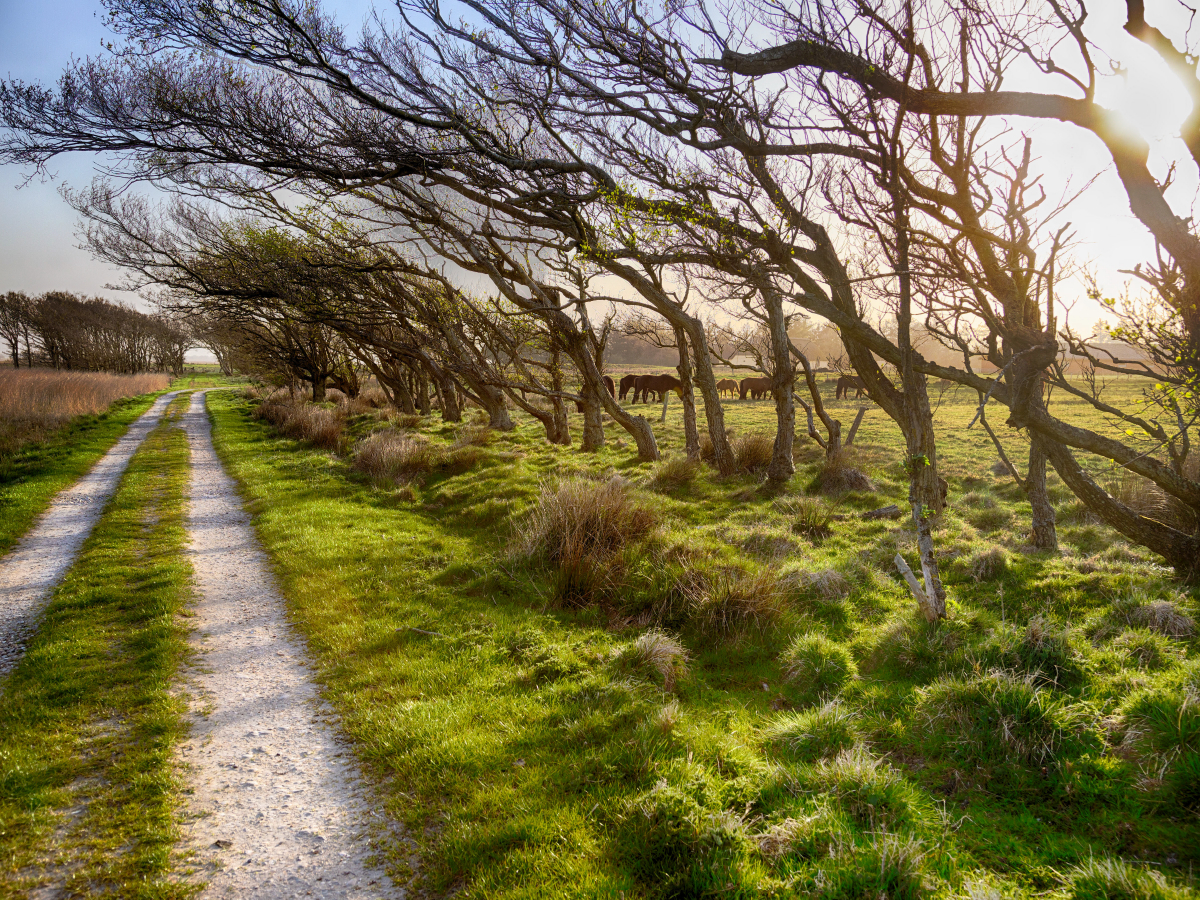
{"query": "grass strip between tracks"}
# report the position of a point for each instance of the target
(88, 719)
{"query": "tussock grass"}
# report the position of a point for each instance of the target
(730, 603)
(753, 451)
(579, 518)
(813, 734)
(396, 457)
(841, 476)
(811, 517)
(818, 666)
(674, 472)
(999, 717)
(304, 421)
(35, 402)
(657, 655)
(989, 564)
(1115, 879)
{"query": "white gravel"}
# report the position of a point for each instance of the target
(30, 572)
(277, 809)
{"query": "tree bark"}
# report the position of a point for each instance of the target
(1043, 531)
(691, 436)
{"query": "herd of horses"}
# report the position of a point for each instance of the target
(643, 386)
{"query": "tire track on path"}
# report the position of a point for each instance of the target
(29, 573)
(277, 809)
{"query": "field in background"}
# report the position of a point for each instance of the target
(34, 402)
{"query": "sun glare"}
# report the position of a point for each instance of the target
(1149, 97)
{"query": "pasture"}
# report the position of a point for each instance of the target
(579, 675)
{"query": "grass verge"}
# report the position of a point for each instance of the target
(34, 473)
(88, 794)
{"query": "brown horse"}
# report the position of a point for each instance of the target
(657, 385)
(846, 382)
(758, 387)
(608, 385)
(727, 385)
(626, 384)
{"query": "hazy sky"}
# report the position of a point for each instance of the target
(37, 228)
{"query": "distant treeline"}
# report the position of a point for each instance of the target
(69, 331)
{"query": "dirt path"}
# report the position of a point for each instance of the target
(278, 810)
(30, 572)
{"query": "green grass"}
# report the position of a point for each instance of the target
(30, 477)
(88, 719)
(491, 693)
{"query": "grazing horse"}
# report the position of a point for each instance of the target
(657, 385)
(627, 383)
(757, 387)
(850, 381)
(727, 385)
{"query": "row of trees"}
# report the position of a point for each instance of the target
(461, 193)
(66, 331)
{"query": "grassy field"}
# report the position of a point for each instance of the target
(88, 791)
(581, 676)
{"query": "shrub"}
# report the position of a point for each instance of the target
(730, 602)
(753, 451)
(818, 666)
(999, 717)
(674, 471)
(658, 655)
(812, 734)
(1115, 879)
(395, 456)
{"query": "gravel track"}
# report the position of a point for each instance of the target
(30, 572)
(277, 809)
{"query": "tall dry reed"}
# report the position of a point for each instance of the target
(35, 401)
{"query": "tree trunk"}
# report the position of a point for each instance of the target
(1179, 549)
(691, 436)
(593, 418)
(706, 382)
(1043, 533)
(783, 378)
(318, 389)
(448, 391)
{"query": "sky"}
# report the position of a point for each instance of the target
(38, 245)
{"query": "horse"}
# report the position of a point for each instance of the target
(727, 384)
(626, 384)
(657, 385)
(850, 381)
(758, 387)
(608, 386)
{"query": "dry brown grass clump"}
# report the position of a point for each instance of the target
(475, 436)
(839, 476)
(730, 602)
(1145, 497)
(579, 518)
(810, 516)
(753, 451)
(989, 564)
(1162, 616)
(36, 401)
(827, 586)
(395, 456)
(675, 471)
(304, 421)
